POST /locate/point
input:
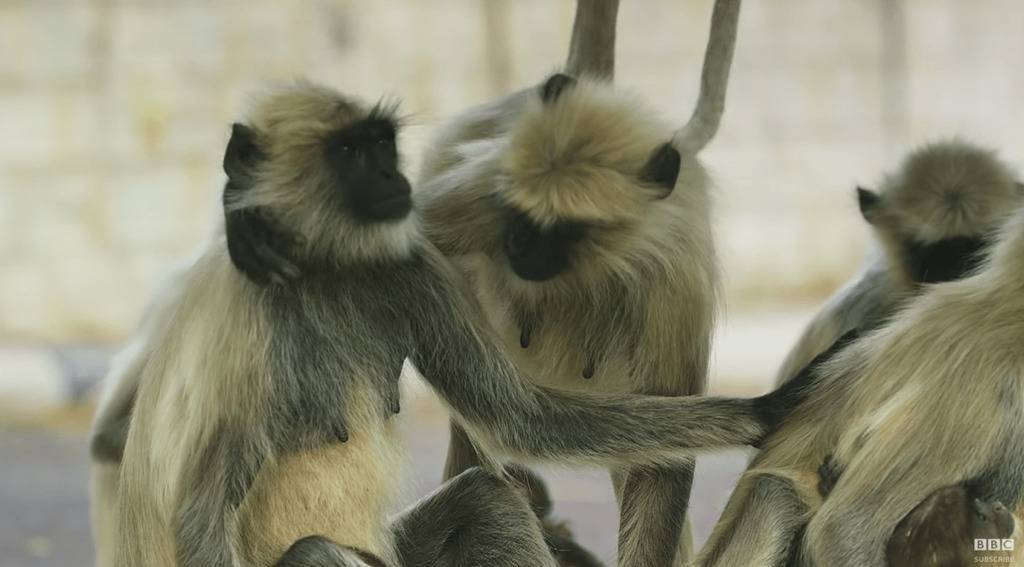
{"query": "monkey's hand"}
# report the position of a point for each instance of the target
(560, 539)
(775, 406)
(828, 475)
(259, 248)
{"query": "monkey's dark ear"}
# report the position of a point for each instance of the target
(662, 169)
(554, 86)
(868, 201)
(242, 153)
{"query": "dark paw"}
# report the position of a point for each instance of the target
(775, 406)
(566, 551)
(828, 475)
(259, 248)
(533, 487)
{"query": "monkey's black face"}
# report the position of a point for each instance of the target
(538, 254)
(942, 261)
(364, 162)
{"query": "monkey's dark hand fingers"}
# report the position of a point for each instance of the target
(828, 475)
(533, 487)
(777, 405)
(260, 249)
(564, 547)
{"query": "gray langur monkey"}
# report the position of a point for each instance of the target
(582, 223)
(262, 251)
(932, 401)
(263, 428)
(597, 275)
(930, 217)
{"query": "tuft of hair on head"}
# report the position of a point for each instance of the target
(586, 151)
(946, 189)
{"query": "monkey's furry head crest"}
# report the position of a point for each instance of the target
(948, 189)
(580, 155)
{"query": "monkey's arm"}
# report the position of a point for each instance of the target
(459, 356)
(592, 47)
(862, 305)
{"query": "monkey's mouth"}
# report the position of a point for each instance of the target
(537, 267)
(387, 208)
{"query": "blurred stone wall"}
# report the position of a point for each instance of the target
(114, 114)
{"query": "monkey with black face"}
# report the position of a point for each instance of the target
(931, 218)
(929, 403)
(263, 432)
(583, 225)
(263, 251)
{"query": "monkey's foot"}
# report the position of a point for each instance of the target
(564, 547)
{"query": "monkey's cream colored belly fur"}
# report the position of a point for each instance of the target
(333, 491)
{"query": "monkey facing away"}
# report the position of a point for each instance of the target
(932, 399)
(582, 223)
(263, 429)
(931, 218)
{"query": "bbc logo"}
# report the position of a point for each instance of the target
(993, 545)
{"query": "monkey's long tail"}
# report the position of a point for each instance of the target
(714, 79)
(592, 47)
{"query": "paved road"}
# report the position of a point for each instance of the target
(44, 513)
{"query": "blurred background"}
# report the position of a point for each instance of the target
(114, 115)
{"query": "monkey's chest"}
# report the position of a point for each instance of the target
(343, 491)
(553, 356)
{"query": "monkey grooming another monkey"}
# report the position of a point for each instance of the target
(262, 431)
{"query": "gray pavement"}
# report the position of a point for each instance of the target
(44, 511)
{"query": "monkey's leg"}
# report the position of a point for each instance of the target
(761, 523)
(462, 455)
(592, 47)
(316, 551)
(476, 518)
(103, 508)
(652, 514)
